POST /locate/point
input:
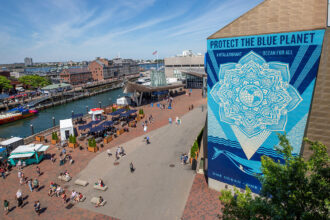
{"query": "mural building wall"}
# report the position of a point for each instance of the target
(258, 86)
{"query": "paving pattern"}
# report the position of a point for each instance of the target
(53, 207)
(203, 203)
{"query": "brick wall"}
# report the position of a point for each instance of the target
(97, 71)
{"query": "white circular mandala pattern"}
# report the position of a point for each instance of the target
(255, 95)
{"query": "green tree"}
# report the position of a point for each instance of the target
(4, 83)
(296, 189)
(34, 81)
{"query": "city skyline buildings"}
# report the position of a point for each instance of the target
(82, 30)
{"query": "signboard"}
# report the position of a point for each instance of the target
(258, 86)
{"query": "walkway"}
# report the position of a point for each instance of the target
(155, 190)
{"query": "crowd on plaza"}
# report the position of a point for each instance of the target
(56, 190)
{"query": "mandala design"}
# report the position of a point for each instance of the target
(255, 95)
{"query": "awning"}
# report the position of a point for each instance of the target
(13, 156)
(118, 111)
(43, 148)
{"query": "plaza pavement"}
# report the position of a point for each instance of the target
(155, 190)
(53, 207)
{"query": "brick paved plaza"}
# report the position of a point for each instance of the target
(53, 207)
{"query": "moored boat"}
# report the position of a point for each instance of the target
(16, 114)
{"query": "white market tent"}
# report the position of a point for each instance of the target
(66, 129)
(123, 101)
(96, 113)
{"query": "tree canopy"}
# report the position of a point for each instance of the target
(34, 81)
(4, 83)
(297, 189)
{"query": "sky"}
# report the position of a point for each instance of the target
(63, 30)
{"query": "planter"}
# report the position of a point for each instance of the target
(107, 139)
(141, 116)
(73, 145)
(119, 132)
(138, 118)
(92, 149)
(40, 138)
(54, 141)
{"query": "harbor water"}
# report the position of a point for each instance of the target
(43, 120)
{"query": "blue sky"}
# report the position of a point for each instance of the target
(62, 30)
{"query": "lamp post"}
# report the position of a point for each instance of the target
(87, 109)
(53, 121)
(32, 129)
(100, 103)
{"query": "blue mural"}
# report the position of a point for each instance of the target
(258, 86)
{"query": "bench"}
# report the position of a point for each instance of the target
(81, 182)
(94, 200)
(64, 178)
(100, 187)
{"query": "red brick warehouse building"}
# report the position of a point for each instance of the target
(101, 69)
(76, 76)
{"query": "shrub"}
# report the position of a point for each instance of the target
(141, 111)
(72, 139)
(54, 136)
(92, 142)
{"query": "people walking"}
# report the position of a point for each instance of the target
(37, 207)
(35, 184)
(131, 167)
(38, 171)
(19, 198)
(6, 206)
(3, 173)
(30, 185)
(109, 152)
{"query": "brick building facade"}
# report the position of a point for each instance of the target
(76, 76)
(102, 69)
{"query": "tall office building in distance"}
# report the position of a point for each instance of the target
(28, 61)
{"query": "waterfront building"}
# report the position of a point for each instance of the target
(28, 61)
(268, 73)
(76, 76)
(54, 88)
(104, 69)
(185, 62)
(101, 69)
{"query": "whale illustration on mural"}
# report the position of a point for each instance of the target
(249, 167)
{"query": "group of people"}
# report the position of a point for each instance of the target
(120, 152)
(65, 174)
(184, 158)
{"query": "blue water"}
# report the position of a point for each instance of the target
(148, 66)
(43, 120)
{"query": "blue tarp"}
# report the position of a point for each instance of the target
(118, 112)
(83, 127)
(78, 115)
(97, 129)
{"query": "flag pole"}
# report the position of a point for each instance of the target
(157, 61)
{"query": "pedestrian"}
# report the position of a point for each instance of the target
(64, 197)
(30, 185)
(3, 173)
(109, 152)
(6, 206)
(122, 151)
(145, 128)
(21, 180)
(38, 171)
(181, 158)
(142, 124)
(37, 207)
(24, 164)
(19, 198)
(19, 165)
(170, 120)
(64, 151)
(19, 174)
(148, 140)
(176, 120)
(131, 167)
(185, 159)
(52, 158)
(35, 184)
